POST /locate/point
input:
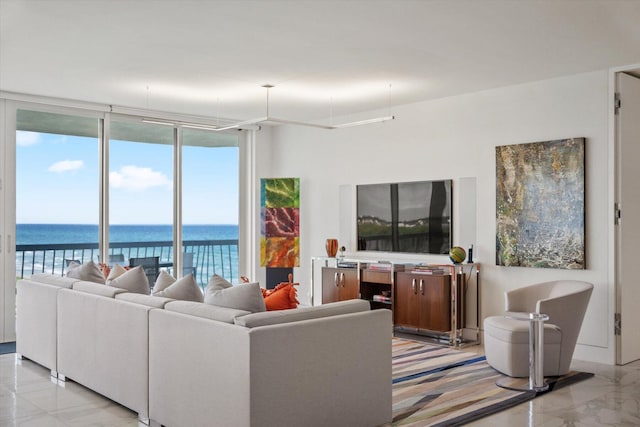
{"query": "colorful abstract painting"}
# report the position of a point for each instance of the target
(540, 202)
(280, 208)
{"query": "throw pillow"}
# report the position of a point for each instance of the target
(246, 296)
(88, 271)
(163, 281)
(105, 269)
(116, 271)
(185, 289)
(282, 297)
(133, 280)
(216, 283)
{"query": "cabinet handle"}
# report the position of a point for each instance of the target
(422, 286)
(8, 248)
(413, 286)
(342, 279)
(335, 279)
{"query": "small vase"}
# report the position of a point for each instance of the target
(332, 247)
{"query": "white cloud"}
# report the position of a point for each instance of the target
(25, 138)
(134, 178)
(66, 166)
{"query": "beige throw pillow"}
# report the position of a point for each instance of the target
(88, 271)
(133, 280)
(246, 296)
(163, 281)
(116, 271)
(216, 283)
(185, 289)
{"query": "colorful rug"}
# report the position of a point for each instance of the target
(440, 386)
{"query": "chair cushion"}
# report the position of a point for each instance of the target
(516, 331)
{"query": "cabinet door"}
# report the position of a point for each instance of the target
(406, 311)
(349, 288)
(330, 285)
(435, 296)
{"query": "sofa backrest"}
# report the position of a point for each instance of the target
(207, 311)
(302, 313)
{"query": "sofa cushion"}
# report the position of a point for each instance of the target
(133, 280)
(246, 296)
(52, 279)
(97, 289)
(185, 289)
(207, 311)
(303, 313)
(88, 271)
(148, 300)
(516, 331)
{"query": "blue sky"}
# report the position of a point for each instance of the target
(57, 182)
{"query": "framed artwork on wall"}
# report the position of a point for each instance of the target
(540, 204)
(280, 207)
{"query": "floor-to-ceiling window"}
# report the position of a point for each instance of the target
(141, 195)
(58, 205)
(210, 192)
(57, 200)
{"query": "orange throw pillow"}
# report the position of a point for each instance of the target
(282, 297)
(105, 269)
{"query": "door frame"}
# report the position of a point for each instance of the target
(614, 198)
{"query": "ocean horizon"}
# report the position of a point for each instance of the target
(31, 234)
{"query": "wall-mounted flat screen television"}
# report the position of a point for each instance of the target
(413, 217)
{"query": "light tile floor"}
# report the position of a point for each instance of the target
(29, 397)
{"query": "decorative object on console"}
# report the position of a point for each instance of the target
(470, 259)
(540, 204)
(457, 254)
(332, 247)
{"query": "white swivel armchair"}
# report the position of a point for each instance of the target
(506, 339)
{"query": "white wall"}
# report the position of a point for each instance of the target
(454, 138)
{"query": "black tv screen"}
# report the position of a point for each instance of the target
(412, 217)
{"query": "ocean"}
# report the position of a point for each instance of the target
(60, 242)
(32, 234)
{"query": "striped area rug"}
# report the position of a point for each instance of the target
(440, 386)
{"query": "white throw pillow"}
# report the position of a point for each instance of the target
(88, 271)
(116, 271)
(133, 280)
(246, 296)
(163, 281)
(185, 289)
(216, 283)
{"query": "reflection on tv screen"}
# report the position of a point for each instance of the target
(412, 217)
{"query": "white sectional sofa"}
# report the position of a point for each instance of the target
(180, 363)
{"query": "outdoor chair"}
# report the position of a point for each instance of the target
(151, 266)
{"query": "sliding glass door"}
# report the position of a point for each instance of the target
(210, 194)
(141, 195)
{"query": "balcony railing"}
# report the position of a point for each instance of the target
(209, 256)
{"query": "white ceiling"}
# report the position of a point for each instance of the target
(210, 57)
